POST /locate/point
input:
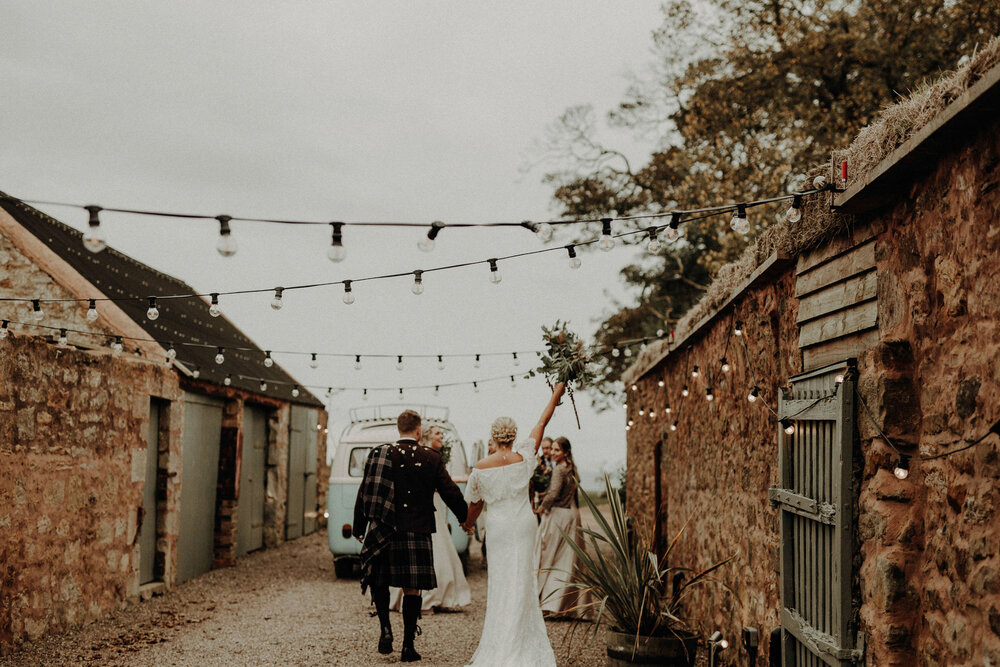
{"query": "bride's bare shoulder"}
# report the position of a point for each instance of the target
(498, 461)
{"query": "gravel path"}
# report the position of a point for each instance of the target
(279, 606)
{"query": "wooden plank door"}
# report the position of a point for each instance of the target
(199, 477)
(301, 429)
(250, 514)
(816, 499)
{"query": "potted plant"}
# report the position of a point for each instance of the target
(627, 584)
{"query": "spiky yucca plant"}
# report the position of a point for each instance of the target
(626, 580)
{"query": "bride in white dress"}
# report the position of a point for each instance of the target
(514, 632)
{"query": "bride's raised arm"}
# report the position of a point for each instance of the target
(539, 431)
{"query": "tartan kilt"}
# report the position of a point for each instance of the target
(408, 562)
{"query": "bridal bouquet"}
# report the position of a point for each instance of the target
(565, 360)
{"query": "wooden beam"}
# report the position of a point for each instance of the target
(837, 246)
(812, 409)
(848, 347)
(858, 260)
(838, 296)
(841, 323)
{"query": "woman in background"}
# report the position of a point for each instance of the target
(452, 590)
(556, 559)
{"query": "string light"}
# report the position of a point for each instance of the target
(725, 365)
(220, 358)
(819, 182)
(418, 282)
(673, 427)
(4, 331)
(92, 310)
(214, 309)
(794, 212)
(276, 302)
(348, 294)
(542, 230)
(839, 379)
(268, 361)
(152, 312)
(263, 386)
(36, 310)
(227, 244)
(196, 372)
(738, 329)
(440, 362)
(495, 276)
(313, 361)
(627, 352)
(118, 345)
(476, 363)
(902, 469)
(667, 409)
(739, 223)
(660, 384)
(754, 393)
(513, 382)
(694, 371)
(607, 241)
(427, 244)
(437, 389)
(574, 261)
(399, 362)
(652, 414)
(653, 243)
(93, 239)
(336, 252)
(672, 227)
(685, 391)
(709, 396)
(615, 352)
(789, 426)
(642, 412)
(295, 391)
(364, 394)
(228, 380)
(517, 362)
(171, 352)
(401, 392)
(63, 340)
(635, 387)
(357, 362)
(475, 387)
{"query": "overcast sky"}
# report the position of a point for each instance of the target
(334, 111)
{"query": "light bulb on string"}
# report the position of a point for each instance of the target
(615, 352)
(660, 384)
(4, 331)
(93, 239)
(329, 393)
(574, 261)
(673, 427)
(196, 372)
(476, 363)
(63, 340)
(542, 230)
(440, 362)
(36, 310)
(839, 379)
(437, 390)
(357, 362)
(220, 358)
(229, 379)
(475, 387)
(653, 244)
(725, 365)
(642, 412)
(495, 276)
(694, 371)
(685, 391)
(336, 252)
(902, 469)
(627, 352)
(517, 362)
(739, 223)
(118, 345)
(513, 382)
(819, 182)
(313, 361)
(364, 394)
(276, 302)
(635, 387)
(652, 414)
(268, 361)
(348, 293)
(152, 312)
(418, 282)
(606, 242)
(427, 244)
(227, 244)
(214, 309)
(794, 212)
(672, 227)
(263, 386)
(631, 422)
(738, 329)
(401, 392)
(399, 362)
(295, 391)
(667, 409)
(754, 393)
(789, 426)
(709, 396)
(92, 310)
(171, 352)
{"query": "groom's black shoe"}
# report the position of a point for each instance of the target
(411, 612)
(409, 654)
(385, 641)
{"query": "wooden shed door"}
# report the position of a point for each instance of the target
(199, 476)
(816, 500)
(147, 536)
(301, 516)
(250, 518)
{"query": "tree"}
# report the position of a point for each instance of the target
(743, 97)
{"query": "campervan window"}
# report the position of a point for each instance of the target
(356, 468)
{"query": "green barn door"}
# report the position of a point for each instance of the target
(199, 476)
(301, 473)
(250, 528)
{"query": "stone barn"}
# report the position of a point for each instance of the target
(847, 454)
(131, 461)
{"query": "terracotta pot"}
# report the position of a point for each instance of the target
(666, 651)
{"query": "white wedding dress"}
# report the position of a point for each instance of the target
(514, 632)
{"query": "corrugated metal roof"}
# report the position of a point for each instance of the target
(118, 276)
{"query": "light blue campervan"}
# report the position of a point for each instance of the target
(369, 427)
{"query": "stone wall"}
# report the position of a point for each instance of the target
(72, 454)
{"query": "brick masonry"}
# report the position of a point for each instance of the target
(928, 559)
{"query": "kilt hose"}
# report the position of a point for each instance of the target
(408, 562)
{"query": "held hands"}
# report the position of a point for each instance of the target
(468, 528)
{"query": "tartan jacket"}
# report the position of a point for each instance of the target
(374, 510)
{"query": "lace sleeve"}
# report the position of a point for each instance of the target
(473, 494)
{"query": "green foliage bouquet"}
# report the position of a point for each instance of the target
(565, 360)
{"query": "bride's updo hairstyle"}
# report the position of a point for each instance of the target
(504, 431)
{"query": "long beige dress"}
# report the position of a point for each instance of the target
(452, 590)
(556, 559)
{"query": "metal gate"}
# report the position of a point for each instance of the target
(301, 513)
(147, 535)
(199, 476)
(250, 515)
(816, 502)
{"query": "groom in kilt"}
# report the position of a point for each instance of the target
(394, 518)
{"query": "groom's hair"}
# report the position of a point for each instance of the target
(407, 421)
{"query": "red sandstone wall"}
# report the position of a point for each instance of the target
(718, 465)
(72, 448)
(930, 576)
